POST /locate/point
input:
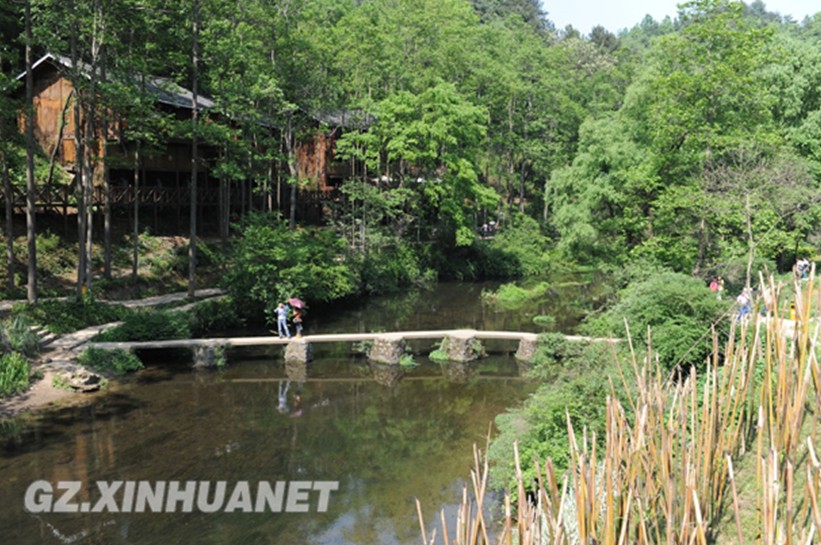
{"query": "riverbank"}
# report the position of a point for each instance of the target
(60, 357)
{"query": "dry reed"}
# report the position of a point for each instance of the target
(667, 476)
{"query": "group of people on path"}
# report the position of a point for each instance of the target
(744, 301)
(802, 268)
(717, 286)
(282, 311)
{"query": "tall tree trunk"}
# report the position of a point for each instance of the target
(290, 143)
(192, 245)
(106, 174)
(31, 288)
(79, 168)
(135, 257)
(56, 150)
(9, 198)
(9, 202)
(88, 186)
(92, 138)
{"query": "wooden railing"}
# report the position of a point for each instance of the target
(65, 197)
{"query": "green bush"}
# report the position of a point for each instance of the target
(554, 353)
(215, 315)
(149, 325)
(67, 316)
(576, 382)
(518, 249)
(680, 310)
(390, 268)
(117, 361)
(521, 240)
(511, 296)
(270, 263)
(14, 373)
(19, 337)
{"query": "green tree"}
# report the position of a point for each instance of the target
(428, 142)
(601, 203)
(675, 310)
(272, 263)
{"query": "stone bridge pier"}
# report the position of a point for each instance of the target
(387, 349)
(208, 355)
(462, 347)
(526, 351)
(298, 351)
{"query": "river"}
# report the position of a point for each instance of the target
(375, 440)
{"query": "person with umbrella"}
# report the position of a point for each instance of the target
(298, 305)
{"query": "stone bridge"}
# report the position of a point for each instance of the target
(457, 345)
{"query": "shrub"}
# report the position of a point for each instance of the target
(116, 361)
(544, 320)
(522, 241)
(14, 373)
(271, 263)
(540, 426)
(19, 337)
(149, 325)
(387, 269)
(512, 296)
(215, 315)
(680, 310)
(406, 362)
(576, 384)
(66, 316)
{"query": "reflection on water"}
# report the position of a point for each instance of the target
(386, 445)
(388, 436)
(455, 305)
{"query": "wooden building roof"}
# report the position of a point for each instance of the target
(164, 90)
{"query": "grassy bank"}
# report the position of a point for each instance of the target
(721, 455)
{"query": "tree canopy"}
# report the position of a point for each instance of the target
(690, 141)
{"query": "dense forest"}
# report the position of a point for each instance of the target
(692, 143)
(487, 143)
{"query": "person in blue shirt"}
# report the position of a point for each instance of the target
(282, 320)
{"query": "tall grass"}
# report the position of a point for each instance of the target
(671, 473)
(14, 374)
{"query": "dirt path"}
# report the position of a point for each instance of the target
(61, 355)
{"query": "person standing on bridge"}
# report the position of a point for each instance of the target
(298, 305)
(298, 321)
(282, 320)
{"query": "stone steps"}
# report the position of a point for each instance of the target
(46, 337)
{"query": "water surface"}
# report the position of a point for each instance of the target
(386, 439)
(385, 444)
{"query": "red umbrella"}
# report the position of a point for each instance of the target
(296, 302)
